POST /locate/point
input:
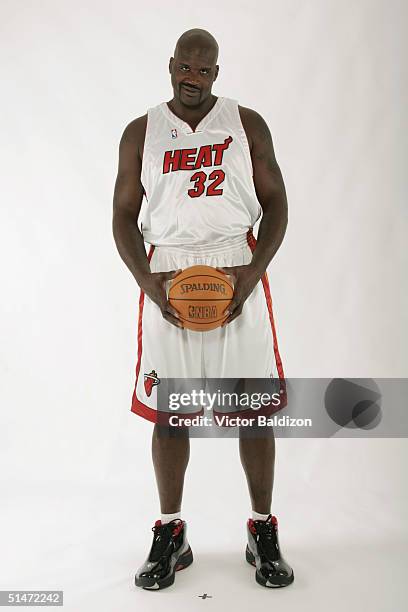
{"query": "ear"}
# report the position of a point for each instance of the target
(171, 60)
(216, 71)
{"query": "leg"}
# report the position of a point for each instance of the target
(258, 460)
(170, 452)
(170, 550)
(263, 550)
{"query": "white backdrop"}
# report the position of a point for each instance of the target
(79, 496)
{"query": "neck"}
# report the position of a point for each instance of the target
(191, 114)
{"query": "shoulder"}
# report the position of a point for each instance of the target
(134, 133)
(254, 125)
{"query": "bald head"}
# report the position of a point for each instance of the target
(199, 41)
(194, 67)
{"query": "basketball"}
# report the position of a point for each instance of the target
(200, 294)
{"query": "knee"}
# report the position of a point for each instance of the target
(170, 431)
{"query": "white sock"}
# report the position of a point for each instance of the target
(259, 517)
(166, 518)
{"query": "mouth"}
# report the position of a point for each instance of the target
(189, 90)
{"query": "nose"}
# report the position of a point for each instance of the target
(191, 79)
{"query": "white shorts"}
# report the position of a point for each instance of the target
(246, 348)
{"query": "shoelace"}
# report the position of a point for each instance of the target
(162, 536)
(266, 535)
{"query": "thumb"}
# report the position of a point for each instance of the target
(228, 271)
(171, 274)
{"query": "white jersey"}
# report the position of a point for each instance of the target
(198, 184)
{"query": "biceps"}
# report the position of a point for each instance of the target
(268, 180)
(128, 188)
(128, 193)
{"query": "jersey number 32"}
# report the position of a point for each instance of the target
(208, 183)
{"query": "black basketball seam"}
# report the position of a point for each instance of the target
(199, 299)
(202, 322)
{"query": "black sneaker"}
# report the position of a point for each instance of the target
(169, 553)
(263, 552)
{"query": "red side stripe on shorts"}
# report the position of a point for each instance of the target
(138, 406)
(265, 282)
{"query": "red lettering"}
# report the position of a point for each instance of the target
(219, 176)
(199, 179)
(187, 159)
(204, 157)
(219, 150)
(171, 158)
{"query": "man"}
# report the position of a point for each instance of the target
(208, 171)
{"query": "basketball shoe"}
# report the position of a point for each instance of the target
(263, 552)
(170, 552)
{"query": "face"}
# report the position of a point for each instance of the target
(193, 71)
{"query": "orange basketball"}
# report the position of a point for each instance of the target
(200, 294)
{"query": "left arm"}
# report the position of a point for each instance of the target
(269, 187)
(271, 194)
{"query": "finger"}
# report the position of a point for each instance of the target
(171, 311)
(232, 306)
(232, 316)
(172, 319)
(229, 271)
(169, 308)
(230, 275)
(167, 277)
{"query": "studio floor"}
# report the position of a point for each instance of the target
(345, 537)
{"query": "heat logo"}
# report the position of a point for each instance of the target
(193, 159)
(150, 381)
(207, 156)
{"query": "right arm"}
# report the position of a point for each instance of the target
(127, 201)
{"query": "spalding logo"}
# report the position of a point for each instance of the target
(202, 312)
(189, 287)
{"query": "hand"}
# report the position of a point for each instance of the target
(154, 285)
(244, 279)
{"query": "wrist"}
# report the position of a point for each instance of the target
(142, 279)
(257, 269)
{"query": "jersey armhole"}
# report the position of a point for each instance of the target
(145, 152)
(244, 140)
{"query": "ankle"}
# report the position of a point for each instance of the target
(257, 516)
(166, 518)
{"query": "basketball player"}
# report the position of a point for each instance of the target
(207, 169)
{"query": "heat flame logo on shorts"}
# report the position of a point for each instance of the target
(150, 380)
